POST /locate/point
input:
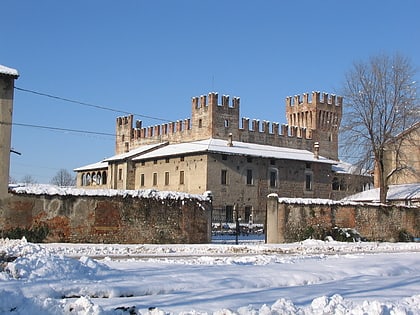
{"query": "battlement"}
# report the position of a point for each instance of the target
(213, 100)
(255, 126)
(308, 120)
(327, 99)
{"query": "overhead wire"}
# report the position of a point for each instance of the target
(89, 104)
(59, 129)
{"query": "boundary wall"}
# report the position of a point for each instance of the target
(288, 220)
(109, 219)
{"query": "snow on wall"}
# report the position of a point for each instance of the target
(72, 191)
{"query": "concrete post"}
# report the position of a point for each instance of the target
(7, 77)
(272, 219)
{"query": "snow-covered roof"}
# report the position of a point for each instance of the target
(346, 168)
(93, 166)
(136, 151)
(395, 193)
(8, 71)
(238, 148)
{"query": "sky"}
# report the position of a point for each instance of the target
(309, 277)
(150, 58)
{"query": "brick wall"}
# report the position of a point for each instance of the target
(289, 220)
(103, 219)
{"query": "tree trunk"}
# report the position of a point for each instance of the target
(382, 181)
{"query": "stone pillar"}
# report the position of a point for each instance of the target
(276, 220)
(7, 78)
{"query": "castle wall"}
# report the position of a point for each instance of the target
(292, 220)
(101, 219)
(309, 121)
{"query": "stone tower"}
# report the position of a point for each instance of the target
(213, 120)
(321, 117)
(7, 78)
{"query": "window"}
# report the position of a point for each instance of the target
(249, 159)
(229, 213)
(154, 179)
(249, 178)
(154, 161)
(166, 178)
(248, 214)
(182, 159)
(223, 177)
(308, 165)
(308, 182)
(226, 123)
(200, 123)
(273, 178)
(104, 178)
(181, 177)
(335, 184)
(120, 174)
(167, 160)
(141, 180)
(224, 157)
(272, 162)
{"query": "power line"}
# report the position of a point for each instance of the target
(59, 129)
(89, 104)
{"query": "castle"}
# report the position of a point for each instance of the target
(240, 161)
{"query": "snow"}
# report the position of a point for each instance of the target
(404, 192)
(46, 189)
(239, 148)
(8, 71)
(310, 277)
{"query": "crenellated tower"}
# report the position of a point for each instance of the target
(320, 115)
(211, 119)
(124, 134)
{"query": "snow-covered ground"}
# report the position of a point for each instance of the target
(310, 277)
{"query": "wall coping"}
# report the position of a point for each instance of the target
(52, 190)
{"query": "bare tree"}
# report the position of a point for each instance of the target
(63, 178)
(28, 179)
(380, 102)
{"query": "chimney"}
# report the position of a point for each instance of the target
(230, 143)
(316, 150)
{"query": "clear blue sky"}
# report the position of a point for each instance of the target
(151, 57)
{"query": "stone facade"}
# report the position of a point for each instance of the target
(290, 220)
(103, 219)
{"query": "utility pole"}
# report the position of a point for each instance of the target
(7, 84)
